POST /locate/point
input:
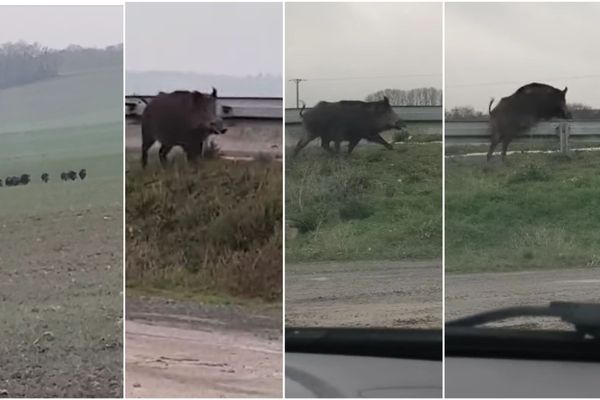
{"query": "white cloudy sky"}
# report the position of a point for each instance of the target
(494, 48)
(349, 50)
(60, 26)
(212, 38)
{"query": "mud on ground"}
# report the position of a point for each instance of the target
(185, 349)
(61, 304)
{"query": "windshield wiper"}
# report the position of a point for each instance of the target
(423, 344)
(584, 317)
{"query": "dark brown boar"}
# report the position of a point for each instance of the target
(180, 118)
(348, 121)
(519, 112)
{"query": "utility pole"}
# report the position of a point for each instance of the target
(297, 82)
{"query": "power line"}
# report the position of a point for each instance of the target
(521, 82)
(348, 78)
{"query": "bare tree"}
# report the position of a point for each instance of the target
(22, 63)
(427, 96)
(464, 113)
(584, 112)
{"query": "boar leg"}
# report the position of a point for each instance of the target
(505, 143)
(337, 147)
(325, 145)
(376, 138)
(191, 157)
(162, 154)
(352, 144)
(306, 139)
(493, 145)
(146, 144)
(494, 140)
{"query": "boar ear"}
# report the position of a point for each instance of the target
(385, 98)
(197, 96)
(214, 92)
(565, 90)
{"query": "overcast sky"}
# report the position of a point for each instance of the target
(493, 49)
(215, 38)
(60, 26)
(386, 43)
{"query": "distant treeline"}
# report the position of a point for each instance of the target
(427, 96)
(22, 63)
(468, 113)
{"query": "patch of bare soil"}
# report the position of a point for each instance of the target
(183, 349)
(61, 304)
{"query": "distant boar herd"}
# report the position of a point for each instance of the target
(45, 178)
(187, 119)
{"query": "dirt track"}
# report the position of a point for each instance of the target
(364, 294)
(179, 349)
(472, 293)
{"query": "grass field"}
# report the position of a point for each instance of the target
(75, 100)
(95, 148)
(374, 205)
(213, 233)
(537, 211)
(61, 275)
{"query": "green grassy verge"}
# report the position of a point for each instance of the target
(374, 204)
(537, 211)
(214, 230)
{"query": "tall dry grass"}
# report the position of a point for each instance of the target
(213, 229)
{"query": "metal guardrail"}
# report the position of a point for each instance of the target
(230, 107)
(407, 113)
(476, 132)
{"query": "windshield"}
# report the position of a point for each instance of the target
(521, 228)
(61, 192)
(363, 166)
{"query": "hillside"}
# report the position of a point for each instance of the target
(151, 82)
(85, 98)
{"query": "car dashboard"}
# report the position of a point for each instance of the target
(493, 378)
(338, 376)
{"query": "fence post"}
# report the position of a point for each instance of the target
(564, 130)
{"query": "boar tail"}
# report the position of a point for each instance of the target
(302, 110)
(490, 106)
